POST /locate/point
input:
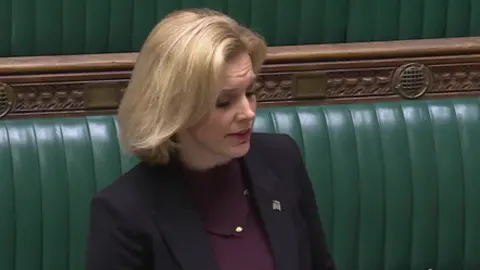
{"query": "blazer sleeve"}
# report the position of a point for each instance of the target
(321, 257)
(111, 242)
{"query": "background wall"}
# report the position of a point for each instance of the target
(55, 27)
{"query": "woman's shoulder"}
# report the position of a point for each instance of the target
(279, 151)
(130, 192)
(274, 144)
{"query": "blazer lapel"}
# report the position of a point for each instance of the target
(274, 212)
(180, 224)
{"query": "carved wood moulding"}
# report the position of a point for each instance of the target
(95, 83)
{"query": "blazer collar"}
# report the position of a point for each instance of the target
(183, 230)
(273, 207)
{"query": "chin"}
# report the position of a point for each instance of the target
(240, 150)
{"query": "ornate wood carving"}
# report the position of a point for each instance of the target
(287, 77)
(56, 97)
(359, 83)
(464, 78)
(271, 87)
(6, 99)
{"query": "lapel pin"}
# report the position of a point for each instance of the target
(276, 205)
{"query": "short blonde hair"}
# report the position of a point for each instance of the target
(177, 77)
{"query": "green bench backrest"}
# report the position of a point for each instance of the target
(397, 183)
(53, 27)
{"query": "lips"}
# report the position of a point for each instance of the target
(242, 135)
(243, 132)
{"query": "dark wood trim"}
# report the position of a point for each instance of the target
(310, 74)
(276, 55)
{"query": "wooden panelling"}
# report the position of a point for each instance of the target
(351, 72)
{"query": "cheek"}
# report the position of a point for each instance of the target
(210, 128)
(253, 105)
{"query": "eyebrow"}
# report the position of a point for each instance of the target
(253, 81)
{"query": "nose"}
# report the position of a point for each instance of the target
(246, 109)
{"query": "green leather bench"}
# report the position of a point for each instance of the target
(397, 183)
(56, 27)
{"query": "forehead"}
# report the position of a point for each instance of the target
(239, 66)
(239, 70)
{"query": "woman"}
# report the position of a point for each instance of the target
(208, 193)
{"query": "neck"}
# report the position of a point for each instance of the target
(199, 163)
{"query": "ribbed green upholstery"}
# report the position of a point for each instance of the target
(29, 27)
(397, 183)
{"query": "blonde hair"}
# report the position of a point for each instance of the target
(177, 77)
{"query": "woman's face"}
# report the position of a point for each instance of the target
(225, 133)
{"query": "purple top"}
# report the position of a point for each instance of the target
(229, 217)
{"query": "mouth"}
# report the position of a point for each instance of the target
(243, 135)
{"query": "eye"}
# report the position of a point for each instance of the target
(223, 104)
(251, 91)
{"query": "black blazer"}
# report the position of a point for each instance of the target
(145, 220)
